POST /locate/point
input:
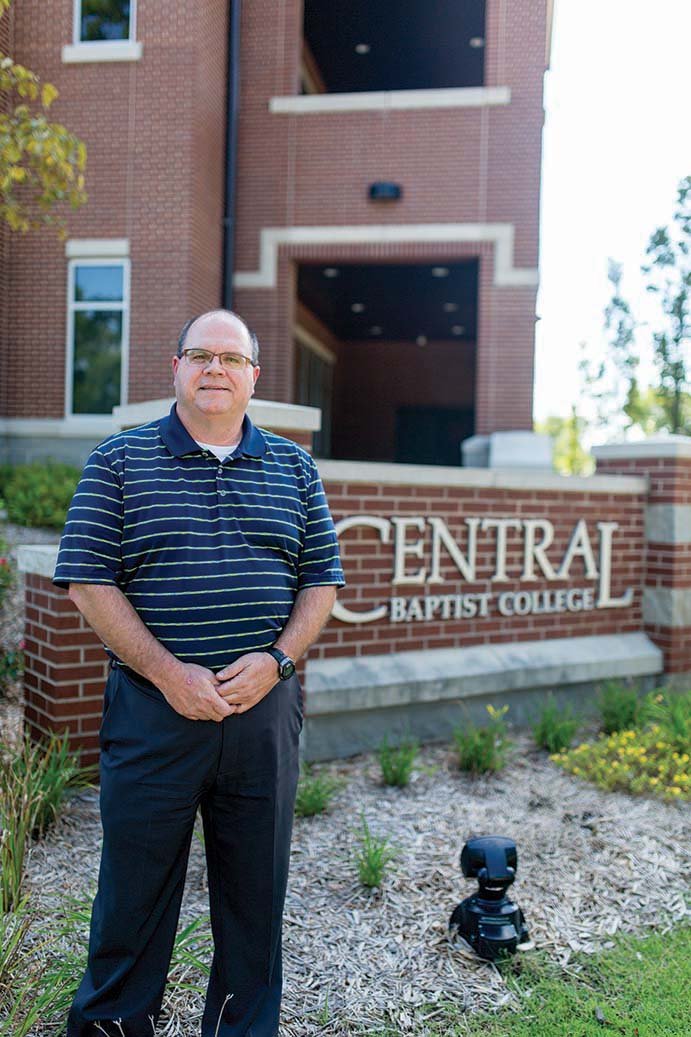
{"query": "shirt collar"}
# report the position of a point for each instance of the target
(180, 442)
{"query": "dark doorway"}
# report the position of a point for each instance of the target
(388, 352)
(432, 435)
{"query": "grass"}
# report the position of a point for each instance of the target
(641, 988)
(555, 726)
(619, 705)
(314, 792)
(373, 857)
(34, 779)
(397, 762)
(39, 969)
(483, 749)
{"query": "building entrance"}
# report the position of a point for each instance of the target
(388, 351)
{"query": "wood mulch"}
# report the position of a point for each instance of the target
(591, 865)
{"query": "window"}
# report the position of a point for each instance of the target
(97, 335)
(103, 20)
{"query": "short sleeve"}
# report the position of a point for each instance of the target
(320, 563)
(91, 545)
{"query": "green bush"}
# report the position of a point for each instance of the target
(555, 727)
(620, 707)
(314, 793)
(396, 762)
(483, 749)
(38, 494)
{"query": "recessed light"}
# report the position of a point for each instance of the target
(440, 271)
(421, 340)
(476, 42)
(330, 271)
(357, 307)
(450, 307)
(457, 329)
(375, 330)
(362, 48)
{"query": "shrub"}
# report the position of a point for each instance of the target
(396, 762)
(6, 574)
(11, 666)
(620, 706)
(671, 710)
(39, 494)
(314, 793)
(653, 760)
(374, 856)
(483, 749)
(555, 727)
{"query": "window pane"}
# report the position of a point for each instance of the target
(97, 361)
(98, 284)
(105, 20)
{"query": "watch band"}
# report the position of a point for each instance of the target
(286, 666)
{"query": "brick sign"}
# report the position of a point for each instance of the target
(421, 542)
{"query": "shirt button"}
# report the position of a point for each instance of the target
(221, 493)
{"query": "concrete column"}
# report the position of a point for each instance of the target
(666, 461)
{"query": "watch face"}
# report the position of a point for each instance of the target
(286, 669)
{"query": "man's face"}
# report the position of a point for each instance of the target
(213, 389)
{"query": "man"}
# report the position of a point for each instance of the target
(202, 552)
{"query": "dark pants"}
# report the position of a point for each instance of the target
(157, 768)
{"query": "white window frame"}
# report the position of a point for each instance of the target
(77, 22)
(101, 50)
(73, 307)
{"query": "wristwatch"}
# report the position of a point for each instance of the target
(286, 666)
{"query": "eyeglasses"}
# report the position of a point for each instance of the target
(230, 361)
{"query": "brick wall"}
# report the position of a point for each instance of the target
(65, 668)
(369, 565)
(667, 584)
(155, 133)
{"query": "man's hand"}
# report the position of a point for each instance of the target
(246, 681)
(193, 691)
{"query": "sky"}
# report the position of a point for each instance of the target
(617, 141)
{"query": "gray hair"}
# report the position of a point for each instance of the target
(254, 341)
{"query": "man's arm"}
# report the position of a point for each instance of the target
(252, 676)
(191, 690)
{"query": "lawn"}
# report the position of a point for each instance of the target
(641, 988)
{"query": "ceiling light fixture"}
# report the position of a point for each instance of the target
(330, 271)
(457, 329)
(357, 307)
(476, 42)
(440, 271)
(421, 340)
(450, 307)
(375, 330)
(362, 48)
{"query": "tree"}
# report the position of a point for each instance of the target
(41, 163)
(669, 277)
(613, 383)
(570, 457)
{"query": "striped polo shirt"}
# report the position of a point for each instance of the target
(210, 554)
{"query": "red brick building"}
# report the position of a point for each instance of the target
(360, 181)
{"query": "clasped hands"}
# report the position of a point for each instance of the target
(199, 694)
